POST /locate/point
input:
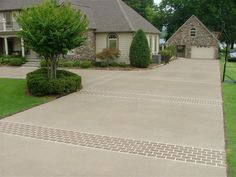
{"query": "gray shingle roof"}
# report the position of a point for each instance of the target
(16, 4)
(103, 15)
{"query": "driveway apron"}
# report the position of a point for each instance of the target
(165, 122)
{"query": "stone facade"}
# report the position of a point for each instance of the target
(203, 37)
(87, 51)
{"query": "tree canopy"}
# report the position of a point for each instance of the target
(171, 14)
(52, 30)
(215, 14)
(143, 7)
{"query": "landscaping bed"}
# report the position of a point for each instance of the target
(15, 98)
(229, 97)
(102, 65)
(12, 60)
(39, 85)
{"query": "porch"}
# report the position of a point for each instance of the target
(12, 45)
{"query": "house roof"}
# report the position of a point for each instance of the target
(103, 15)
(16, 4)
(195, 18)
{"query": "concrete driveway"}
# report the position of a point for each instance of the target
(165, 122)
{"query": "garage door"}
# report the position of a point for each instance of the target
(203, 52)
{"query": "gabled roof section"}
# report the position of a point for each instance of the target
(16, 4)
(193, 17)
(137, 21)
(103, 15)
(87, 11)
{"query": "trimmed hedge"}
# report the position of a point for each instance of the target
(39, 85)
(140, 55)
(85, 64)
(16, 62)
(12, 60)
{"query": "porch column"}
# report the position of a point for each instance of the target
(6, 46)
(22, 47)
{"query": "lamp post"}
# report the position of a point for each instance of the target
(227, 39)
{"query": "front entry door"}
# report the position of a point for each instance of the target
(181, 51)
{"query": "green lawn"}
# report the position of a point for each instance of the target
(229, 94)
(14, 98)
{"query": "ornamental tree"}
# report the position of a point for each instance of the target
(140, 54)
(51, 30)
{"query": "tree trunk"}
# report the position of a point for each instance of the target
(48, 67)
(232, 45)
(53, 68)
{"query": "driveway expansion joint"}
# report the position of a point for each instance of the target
(153, 97)
(181, 153)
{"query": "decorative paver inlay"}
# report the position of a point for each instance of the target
(130, 146)
(153, 97)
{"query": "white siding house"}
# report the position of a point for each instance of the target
(112, 24)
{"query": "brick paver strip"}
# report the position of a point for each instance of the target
(149, 149)
(153, 97)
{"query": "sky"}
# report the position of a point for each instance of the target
(157, 1)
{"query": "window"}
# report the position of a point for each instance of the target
(193, 32)
(112, 41)
(8, 18)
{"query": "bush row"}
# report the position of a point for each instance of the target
(70, 63)
(86, 64)
(12, 60)
(39, 85)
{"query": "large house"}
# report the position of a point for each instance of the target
(112, 24)
(194, 40)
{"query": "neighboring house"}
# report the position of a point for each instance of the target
(194, 40)
(112, 24)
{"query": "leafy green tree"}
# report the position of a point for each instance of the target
(51, 29)
(143, 7)
(140, 54)
(213, 13)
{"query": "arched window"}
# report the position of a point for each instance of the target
(193, 32)
(112, 41)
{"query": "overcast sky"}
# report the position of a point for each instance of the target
(157, 1)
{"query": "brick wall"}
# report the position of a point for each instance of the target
(87, 51)
(202, 39)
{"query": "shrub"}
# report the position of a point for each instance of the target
(67, 63)
(139, 51)
(4, 59)
(85, 64)
(39, 85)
(108, 54)
(166, 53)
(104, 64)
(169, 52)
(43, 63)
(165, 56)
(172, 50)
(114, 64)
(123, 64)
(76, 63)
(15, 62)
(24, 60)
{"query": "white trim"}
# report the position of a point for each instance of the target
(6, 46)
